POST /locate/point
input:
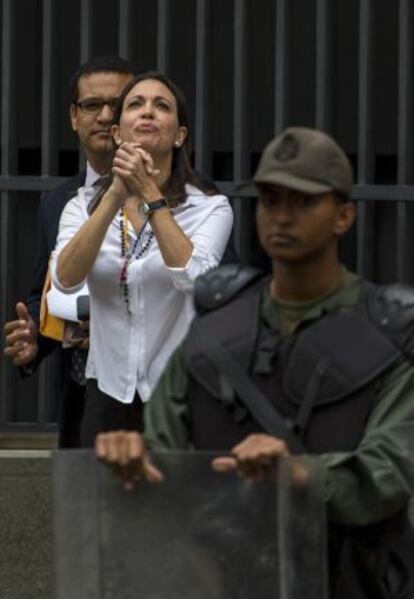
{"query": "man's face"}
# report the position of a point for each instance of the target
(296, 227)
(93, 128)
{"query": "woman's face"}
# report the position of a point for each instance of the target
(149, 117)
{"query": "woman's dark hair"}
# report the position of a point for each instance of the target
(181, 171)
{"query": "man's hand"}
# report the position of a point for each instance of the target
(21, 337)
(84, 326)
(125, 451)
(254, 455)
(77, 335)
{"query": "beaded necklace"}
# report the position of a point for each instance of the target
(127, 255)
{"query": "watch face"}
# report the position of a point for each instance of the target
(147, 209)
(143, 209)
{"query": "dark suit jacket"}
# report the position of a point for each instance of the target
(70, 396)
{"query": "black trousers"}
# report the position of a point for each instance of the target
(104, 413)
(72, 407)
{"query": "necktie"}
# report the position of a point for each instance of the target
(79, 356)
(77, 365)
(97, 186)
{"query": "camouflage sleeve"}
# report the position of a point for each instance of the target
(166, 413)
(376, 480)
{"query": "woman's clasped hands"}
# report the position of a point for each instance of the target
(134, 172)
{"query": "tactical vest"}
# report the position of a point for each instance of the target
(323, 380)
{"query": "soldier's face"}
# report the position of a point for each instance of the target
(296, 227)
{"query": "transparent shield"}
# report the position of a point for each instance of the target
(197, 535)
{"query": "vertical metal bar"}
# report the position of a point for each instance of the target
(405, 144)
(281, 66)
(366, 212)
(49, 156)
(240, 156)
(240, 88)
(8, 165)
(323, 114)
(124, 36)
(8, 137)
(86, 45)
(86, 33)
(48, 136)
(202, 138)
(163, 36)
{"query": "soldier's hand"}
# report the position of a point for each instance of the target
(253, 457)
(125, 451)
(20, 344)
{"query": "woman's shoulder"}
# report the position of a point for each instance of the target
(83, 196)
(77, 205)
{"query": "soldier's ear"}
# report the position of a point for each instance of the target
(345, 217)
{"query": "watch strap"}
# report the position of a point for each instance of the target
(156, 205)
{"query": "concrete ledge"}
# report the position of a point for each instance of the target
(17, 440)
(25, 453)
(26, 535)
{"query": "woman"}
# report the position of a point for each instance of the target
(140, 243)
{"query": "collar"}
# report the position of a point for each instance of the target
(345, 296)
(193, 197)
(91, 176)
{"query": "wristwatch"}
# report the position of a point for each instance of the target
(147, 209)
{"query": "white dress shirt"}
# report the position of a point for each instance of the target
(91, 176)
(128, 352)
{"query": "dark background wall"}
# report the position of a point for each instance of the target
(259, 70)
(248, 68)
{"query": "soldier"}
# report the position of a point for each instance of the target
(313, 360)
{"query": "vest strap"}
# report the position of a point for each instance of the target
(354, 352)
(260, 408)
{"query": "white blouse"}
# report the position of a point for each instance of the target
(128, 352)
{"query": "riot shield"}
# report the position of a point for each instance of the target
(197, 535)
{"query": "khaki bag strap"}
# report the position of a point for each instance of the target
(49, 326)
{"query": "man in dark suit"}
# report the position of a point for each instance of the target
(94, 88)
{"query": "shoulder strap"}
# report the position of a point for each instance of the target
(254, 400)
(391, 309)
(219, 286)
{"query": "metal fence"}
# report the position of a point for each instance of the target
(248, 68)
